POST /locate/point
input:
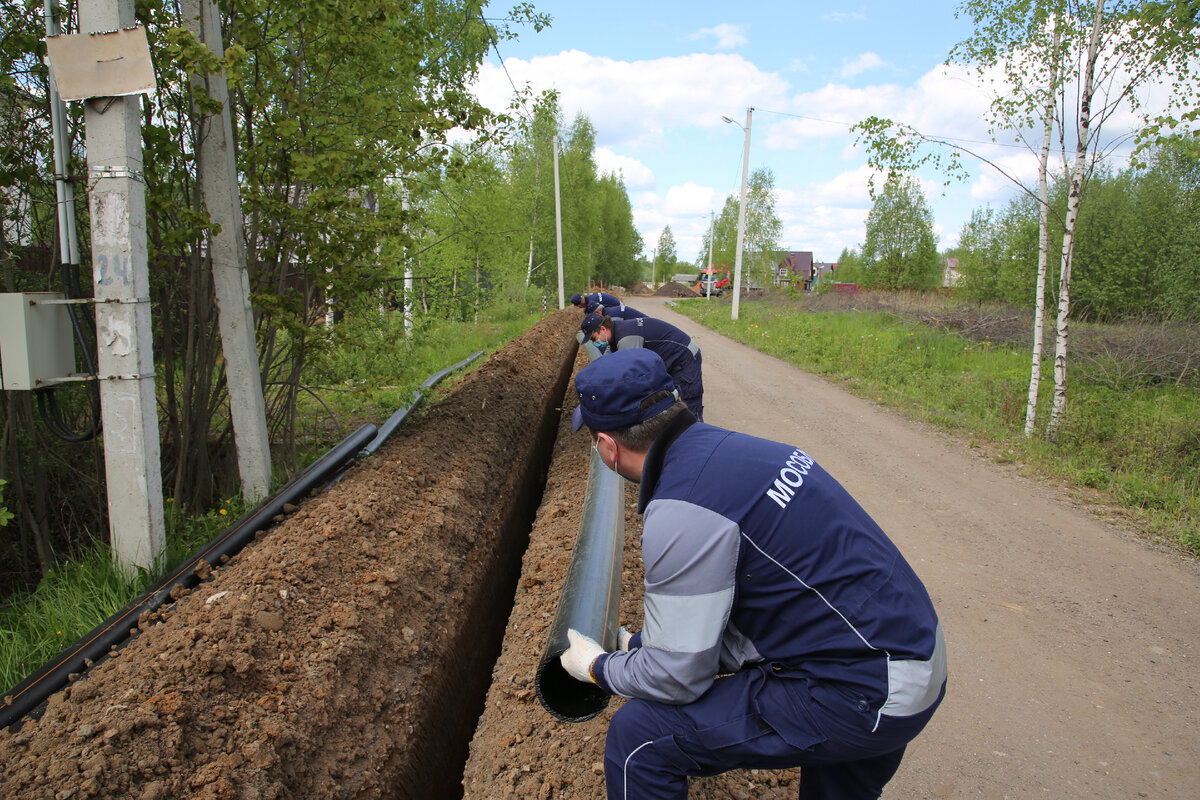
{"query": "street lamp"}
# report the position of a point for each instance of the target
(710, 275)
(741, 230)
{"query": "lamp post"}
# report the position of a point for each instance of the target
(558, 227)
(711, 277)
(741, 230)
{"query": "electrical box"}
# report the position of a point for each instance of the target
(36, 343)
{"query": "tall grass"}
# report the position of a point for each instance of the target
(375, 365)
(1134, 448)
(371, 369)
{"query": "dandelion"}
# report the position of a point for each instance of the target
(224, 512)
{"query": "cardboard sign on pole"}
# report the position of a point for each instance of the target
(101, 64)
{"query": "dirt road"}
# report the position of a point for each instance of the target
(1073, 646)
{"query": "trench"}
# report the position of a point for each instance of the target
(455, 700)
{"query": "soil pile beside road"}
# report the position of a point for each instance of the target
(346, 652)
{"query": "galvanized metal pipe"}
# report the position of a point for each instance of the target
(590, 601)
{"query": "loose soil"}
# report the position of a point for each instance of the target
(331, 657)
(346, 652)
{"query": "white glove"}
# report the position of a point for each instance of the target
(578, 657)
(623, 636)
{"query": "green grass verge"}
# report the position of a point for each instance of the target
(1135, 452)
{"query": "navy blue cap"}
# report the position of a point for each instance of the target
(611, 390)
(576, 299)
(589, 324)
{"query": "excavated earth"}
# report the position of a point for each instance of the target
(347, 651)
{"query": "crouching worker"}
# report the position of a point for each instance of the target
(782, 627)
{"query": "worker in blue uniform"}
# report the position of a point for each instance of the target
(593, 300)
(678, 351)
(628, 312)
(783, 628)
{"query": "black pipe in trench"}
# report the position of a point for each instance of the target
(590, 601)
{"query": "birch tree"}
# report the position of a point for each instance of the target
(1068, 67)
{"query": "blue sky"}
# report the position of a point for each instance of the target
(656, 77)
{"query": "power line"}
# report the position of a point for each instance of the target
(504, 66)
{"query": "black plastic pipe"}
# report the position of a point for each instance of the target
(36, 688)
(401, 414)
(590, 601)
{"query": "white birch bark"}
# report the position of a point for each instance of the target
(1039, 312)
(1058, 412)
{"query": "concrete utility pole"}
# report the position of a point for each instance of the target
(741, 232)
(217, 171)
(408, 277)
(562, 300)
(117, 201)
(68, 243)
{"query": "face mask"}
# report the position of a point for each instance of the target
(601, 345)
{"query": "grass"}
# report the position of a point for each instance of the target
(79, 595)
(1131, 447)
(371, 370)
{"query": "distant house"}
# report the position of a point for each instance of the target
(951, 277)
(796, 269)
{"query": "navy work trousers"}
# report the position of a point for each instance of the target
(754, 720)
(691, 386)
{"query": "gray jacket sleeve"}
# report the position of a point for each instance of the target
(690, 555)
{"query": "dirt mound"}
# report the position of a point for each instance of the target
(640, 288)
(673, 289)
(345, 653)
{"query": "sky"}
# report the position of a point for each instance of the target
(655, 78)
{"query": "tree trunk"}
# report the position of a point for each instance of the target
(1058, 412)
(1039, 311)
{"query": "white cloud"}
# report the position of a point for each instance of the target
(690, 199)
(634, 173)
(633, 102)
(727, 36)
(861, 64)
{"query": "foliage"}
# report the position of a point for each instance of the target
(997, 253)
(371, 370)
(849, 270)
(762, 229)
(6, 516)
(1137, 248)
(900, 250)
(79, 594)
(330, 102)
(665, 257)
